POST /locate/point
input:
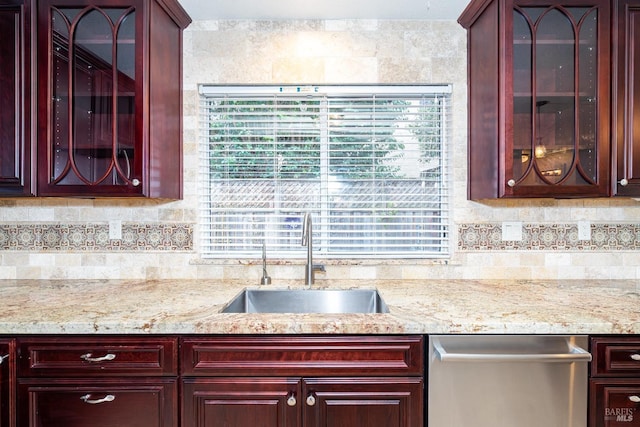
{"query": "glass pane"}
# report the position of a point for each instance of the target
(92, 149)
(61, 125)
(93, 81)
(522, 96)
(125, 73)
(554, 132)
(588, 77)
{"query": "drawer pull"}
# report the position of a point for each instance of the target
(634, 399)
(636, 357)
(87, 399)
(89, 357)
(3, 358)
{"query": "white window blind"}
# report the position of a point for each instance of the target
(369, 163)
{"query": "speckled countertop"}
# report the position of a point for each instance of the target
(447, 306)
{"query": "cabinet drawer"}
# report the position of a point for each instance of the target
(303, 355)
(615, 403)
(102, 403)
(615, 357)
(74, 357)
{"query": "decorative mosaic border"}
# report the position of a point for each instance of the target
(550, 237)
(95, 237)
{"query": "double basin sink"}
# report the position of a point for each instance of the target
(307, 301)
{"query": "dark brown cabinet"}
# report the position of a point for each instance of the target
(110, 76)
(615, 382)
(7, 383)
(539, 91)
(303, 381)
(625, 97)
(237, 401)
(91, 99)
(211, 381)
(15, 101)
(373, 402)
(102, 382)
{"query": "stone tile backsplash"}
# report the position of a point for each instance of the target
(57, 238)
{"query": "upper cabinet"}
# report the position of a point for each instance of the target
(109, 98)
(15, 98)
(625, 95)
(539, 110)
(110, 108)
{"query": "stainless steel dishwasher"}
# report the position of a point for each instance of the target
(507, 381)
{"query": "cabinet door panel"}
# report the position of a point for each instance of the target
(102, 403)
(371, 402)
(615, 403)
(626, 97)
(7, 381)
(239, 402)
(91, 105)
(15, 147)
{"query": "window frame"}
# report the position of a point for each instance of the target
(328, 90)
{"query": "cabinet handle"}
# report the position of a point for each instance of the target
(634, 399)
(635, 357)
(87, 399)
(89, 357)
(311, 400)
(3, 358)
(624, 182)
(511, 183)
(291, 400)
(135, 182)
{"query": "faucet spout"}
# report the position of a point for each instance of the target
(307, 240)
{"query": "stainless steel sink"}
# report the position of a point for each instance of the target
(307, 301)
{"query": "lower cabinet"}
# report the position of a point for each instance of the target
(97, 382)
(303, 381)
(7, 381)
(615, 382)
(310, 402)
(103, 403)
(373, 402)
(241, 402)
(212, 381)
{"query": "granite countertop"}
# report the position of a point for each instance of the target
(441, 306)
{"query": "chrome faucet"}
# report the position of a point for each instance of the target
(307, 240)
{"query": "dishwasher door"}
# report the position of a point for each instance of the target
(507, 381)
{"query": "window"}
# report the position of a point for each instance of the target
(369, 163)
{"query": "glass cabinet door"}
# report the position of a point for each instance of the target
(555, 86)
(93, 76)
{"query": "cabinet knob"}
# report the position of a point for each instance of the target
(511, 183)
(291, 400)
(634, 399)
(635, 357)
(89, 357)
(3, 358)
(624, 182)
(135, 182)
(87, 399)
(311, 400)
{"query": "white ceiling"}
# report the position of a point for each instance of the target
(324, 9)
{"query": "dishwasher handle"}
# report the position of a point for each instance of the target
(575, 354)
